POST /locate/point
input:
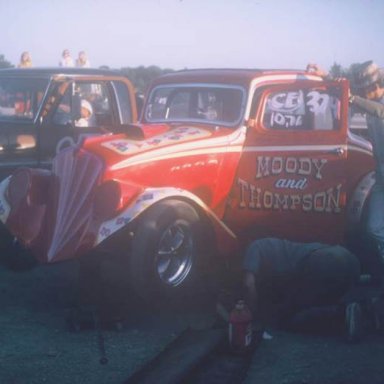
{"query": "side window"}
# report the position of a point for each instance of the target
(302, 109)
(20, 99)
(96, 98)
(85, 105)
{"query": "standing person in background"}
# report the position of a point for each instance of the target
(82, 60)
(367, 96)
(66, 59)
(25, 60)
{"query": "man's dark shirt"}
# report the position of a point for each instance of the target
(275, 258)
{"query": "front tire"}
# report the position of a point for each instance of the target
(167, 249)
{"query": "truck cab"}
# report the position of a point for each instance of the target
(40, 111)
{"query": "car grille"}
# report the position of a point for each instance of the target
(77, 174)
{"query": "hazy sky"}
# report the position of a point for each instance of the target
(195, 33)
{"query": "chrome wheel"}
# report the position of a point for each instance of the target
(174, 256)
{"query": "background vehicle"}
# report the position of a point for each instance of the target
(221, 157)
(40, 111)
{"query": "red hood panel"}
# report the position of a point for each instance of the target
(174, 136)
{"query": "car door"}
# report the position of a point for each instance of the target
(20, 149)
(63, 123)
(291, 177)
(4, 168)
(20, 100)
(39, 116)
(59, 128)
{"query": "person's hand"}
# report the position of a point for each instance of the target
(314, 69)
(351, 97)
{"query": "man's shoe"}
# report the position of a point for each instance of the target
(354, 321)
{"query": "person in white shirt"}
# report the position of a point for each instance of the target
(82, 60)
(87, 118)
(66, 59)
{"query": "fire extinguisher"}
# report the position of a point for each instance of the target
(240, 327)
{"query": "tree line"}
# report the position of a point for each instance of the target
(142, 76)
(337, 70)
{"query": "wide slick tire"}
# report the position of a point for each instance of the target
(167, 248)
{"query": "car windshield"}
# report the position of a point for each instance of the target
(20, 98)
(214, 104)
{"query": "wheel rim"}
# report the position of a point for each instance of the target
(174, 257)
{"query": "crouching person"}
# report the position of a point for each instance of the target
(283, 278)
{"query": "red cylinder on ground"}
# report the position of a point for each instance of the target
(240, 327)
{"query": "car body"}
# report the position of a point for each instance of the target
(40, 111)
(221, 157)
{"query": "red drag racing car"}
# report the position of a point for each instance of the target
(221, 157)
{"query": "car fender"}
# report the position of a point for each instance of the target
(226, 240)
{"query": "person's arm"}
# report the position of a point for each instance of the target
(314, 69)
(371, 107)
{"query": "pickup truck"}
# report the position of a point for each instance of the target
(221, 157)
(40, 111)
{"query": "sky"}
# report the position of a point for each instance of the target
(181, 34)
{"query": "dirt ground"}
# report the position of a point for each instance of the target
(310, 358)
(37, 346)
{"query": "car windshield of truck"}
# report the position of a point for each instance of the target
(213, 104)
(20, 99)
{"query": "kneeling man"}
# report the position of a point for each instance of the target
(296, 276)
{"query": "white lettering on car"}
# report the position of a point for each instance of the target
(291, 183)
(302, 166)
(293, 174)
(253, 197)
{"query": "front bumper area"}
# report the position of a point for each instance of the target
(50, 213)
